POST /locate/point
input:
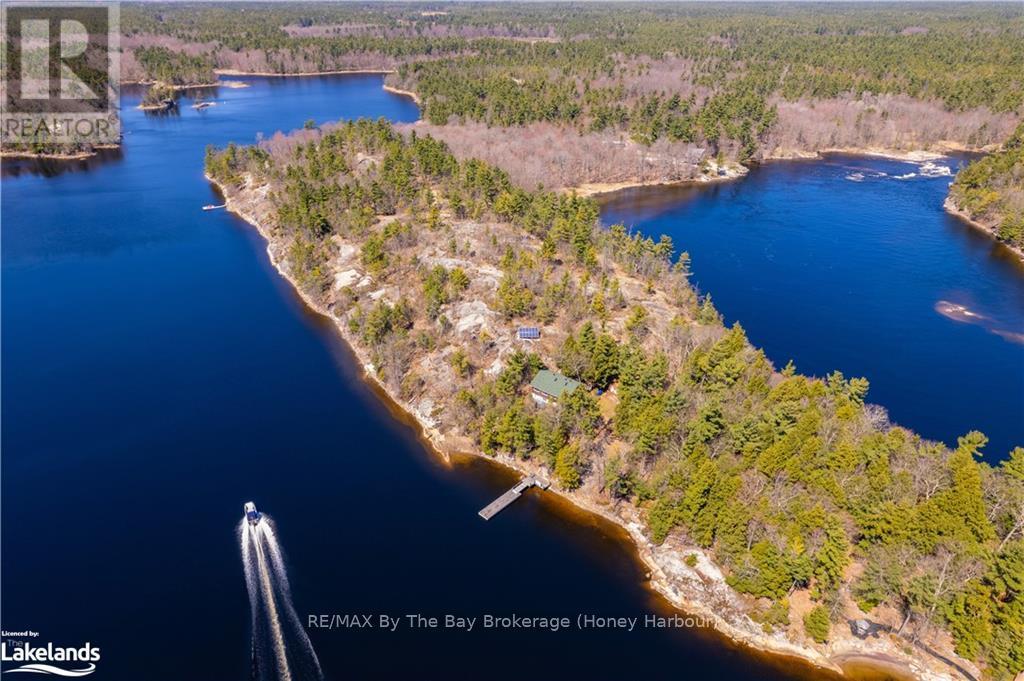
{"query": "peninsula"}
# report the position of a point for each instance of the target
(779, 506)
(990, 193)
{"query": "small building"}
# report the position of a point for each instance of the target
(548, 386)
(529, 333)
(862, 628)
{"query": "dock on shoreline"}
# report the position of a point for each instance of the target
(498, 505)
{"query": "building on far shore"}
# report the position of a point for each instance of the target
(548, 386)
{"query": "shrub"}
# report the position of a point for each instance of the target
(816, 623)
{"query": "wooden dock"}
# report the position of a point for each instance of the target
(498, 505)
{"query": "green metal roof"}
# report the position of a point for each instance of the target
(550, 383)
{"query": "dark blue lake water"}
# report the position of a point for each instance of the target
(157, 374)
(848, 263)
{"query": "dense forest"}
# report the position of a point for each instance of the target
(991, 190)
(795, 484)
(738, 82)
(721, 76)
(168, 67)
(599, 93)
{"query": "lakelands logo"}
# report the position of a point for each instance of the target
(80, 661)
(61, 72)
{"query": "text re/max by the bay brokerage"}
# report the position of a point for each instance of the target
(468, 623)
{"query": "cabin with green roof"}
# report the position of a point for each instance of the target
(548, 386)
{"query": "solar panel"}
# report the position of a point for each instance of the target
(529, 332)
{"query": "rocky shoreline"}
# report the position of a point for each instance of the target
(913, 155)
(405, 93)
(270, 74)
(989, 229)
(76, 156)
(685, 575)
(725, 173)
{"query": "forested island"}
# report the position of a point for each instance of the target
(990, 192)
(780, 505)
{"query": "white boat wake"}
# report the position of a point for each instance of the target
(280, 647)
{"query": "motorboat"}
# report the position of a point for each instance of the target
(251, 514)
